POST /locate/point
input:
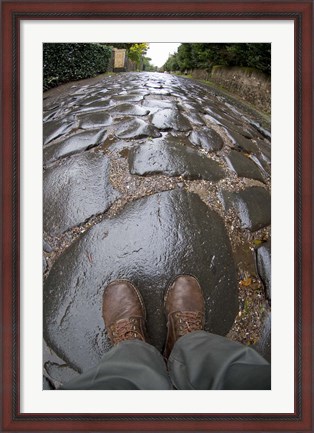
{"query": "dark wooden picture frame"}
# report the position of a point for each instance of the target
(15, 11)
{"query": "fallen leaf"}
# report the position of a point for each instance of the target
(246, 282)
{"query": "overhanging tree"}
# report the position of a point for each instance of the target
(136, 53)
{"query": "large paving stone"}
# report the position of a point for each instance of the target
(128, 110)
(262, 163)
(49, 115)
(74, 144)
(243, 166)
(168, 156)
(55, 128)
(150, 242)
(191, 106)
(136, 128)
(137, 91)
(194, 118)
(157, 104)
(263, 263)
(170, 119)
(94, 120)
(97, 105)
(245, 131)
(243, 143)
(99, 98)
(252, 205)
(75, 190)
(207, 139)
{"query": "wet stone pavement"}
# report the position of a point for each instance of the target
(146, 176)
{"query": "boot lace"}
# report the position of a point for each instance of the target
(126, 329)
(188, 321)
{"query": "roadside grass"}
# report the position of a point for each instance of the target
(266, 117)
(237, 98)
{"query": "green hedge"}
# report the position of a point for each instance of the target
(205, 56)
(68, 62)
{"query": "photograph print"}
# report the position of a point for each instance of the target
(156, 216)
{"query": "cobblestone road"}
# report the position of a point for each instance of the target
(148, 175)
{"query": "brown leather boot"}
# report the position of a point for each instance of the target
(185, 309)
(124, 312)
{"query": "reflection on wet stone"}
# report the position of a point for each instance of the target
(149, 242)
(207, 139)
(136, 128)
(168, 156)
(94, 120)
(128, 110)
(128, 98)
(56, 128)
(252, 205)
(243, 166)
(194, 118)
(74, 144)
(156, 105)
(75, 190)
(170, 119)
(97, 105)
(243, 143)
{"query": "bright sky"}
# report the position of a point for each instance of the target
(159, 52)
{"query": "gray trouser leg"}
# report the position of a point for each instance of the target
(128, 365)
(201, 360)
